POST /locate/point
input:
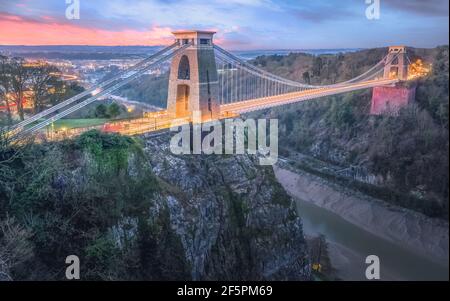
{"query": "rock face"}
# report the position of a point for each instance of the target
(234, 220)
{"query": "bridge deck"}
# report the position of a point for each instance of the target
(161, 120)
(278, 100)
(233, 109)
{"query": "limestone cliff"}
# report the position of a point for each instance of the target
(131, 210)
(235, 222)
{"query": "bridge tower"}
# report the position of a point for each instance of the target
(396, 67)
(388, 100)
(193, 80)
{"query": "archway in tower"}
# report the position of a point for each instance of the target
(182, 106)
(184, 70)
(393, 72)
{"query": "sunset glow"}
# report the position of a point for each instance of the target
(15, 30)
(241, 24)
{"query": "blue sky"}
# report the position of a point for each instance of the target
(241, 24)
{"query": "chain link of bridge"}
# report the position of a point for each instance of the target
(211, 81)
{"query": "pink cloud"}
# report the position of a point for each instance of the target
(16, 30)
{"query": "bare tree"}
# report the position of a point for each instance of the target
(15, 247)
(20, 77)
(5, 85)
(41, 78)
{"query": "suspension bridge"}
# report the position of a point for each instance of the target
(211, 81)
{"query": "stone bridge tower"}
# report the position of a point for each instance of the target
(388, 100)
(397, 67)
(193, 81)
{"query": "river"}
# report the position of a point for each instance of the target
(409, 246)
(349, 245)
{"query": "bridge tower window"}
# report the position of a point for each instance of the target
(184, 71)
(205, 42)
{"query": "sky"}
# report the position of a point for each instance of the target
(240, 24)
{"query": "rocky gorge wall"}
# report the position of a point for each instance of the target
(234, 220)
(131, 210)
(424, 235)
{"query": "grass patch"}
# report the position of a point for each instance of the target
(78, 123)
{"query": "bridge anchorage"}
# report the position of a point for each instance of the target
(212, 82)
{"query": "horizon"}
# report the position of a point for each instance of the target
(240, 24)
(162, 45)
(256, 49)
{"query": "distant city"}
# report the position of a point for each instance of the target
(108, 52)
(89, 64)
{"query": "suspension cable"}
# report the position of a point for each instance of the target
(102, 93)
(260, 72)
(92, 89)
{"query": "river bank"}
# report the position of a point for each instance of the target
(413, 236)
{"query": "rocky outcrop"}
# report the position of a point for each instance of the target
(234, 220)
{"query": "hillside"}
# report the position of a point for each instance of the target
(133, 211)
(148, 89)
(403, 160)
